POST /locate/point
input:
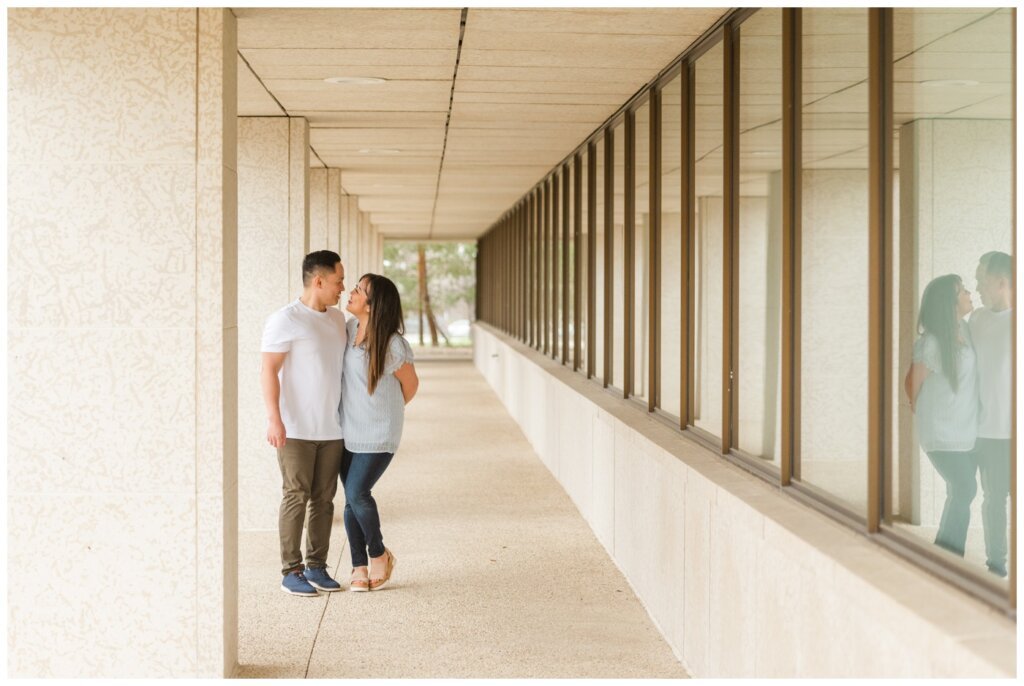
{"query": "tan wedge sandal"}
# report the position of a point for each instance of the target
(377, 584)
(359, 583)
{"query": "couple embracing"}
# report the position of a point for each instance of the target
(335, 394)
(959, 386)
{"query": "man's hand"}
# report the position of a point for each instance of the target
(275, 434)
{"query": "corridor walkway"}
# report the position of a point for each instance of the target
(497, 574)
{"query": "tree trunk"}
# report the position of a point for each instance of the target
(425, 296)
(421, 270)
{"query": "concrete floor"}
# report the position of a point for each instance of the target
(497, 574)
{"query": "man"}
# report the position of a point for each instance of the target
(991, 328)
(302, 350)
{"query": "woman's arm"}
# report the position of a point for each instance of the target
(406, 375)
(916, 375)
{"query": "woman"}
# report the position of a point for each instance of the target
(378, 380)
(942, 385)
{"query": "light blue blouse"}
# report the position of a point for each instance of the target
(947, 420)
(372, 423)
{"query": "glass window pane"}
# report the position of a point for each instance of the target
(672, 269)
(708, 226)
(599, 256)
(953, 199)
(760, 237)
(556, 265)
(641, 252)
(834, 255)
(618, 201)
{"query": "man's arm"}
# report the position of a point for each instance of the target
(271, 365)
(406, 375)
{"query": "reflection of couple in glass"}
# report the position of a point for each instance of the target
(959, 389)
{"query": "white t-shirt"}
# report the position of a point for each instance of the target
(946, 419)
(990, 332)
(311, 374)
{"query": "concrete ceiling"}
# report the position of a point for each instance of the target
(531, 84)
(525, 88)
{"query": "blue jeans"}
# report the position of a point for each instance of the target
(993, 456)
(359, 472)
(958, 470)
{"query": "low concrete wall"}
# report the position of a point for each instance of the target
(741, 580)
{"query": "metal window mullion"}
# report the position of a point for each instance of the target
(591, 258)
(879, 256)
(546, 269)
(689, 227)
(577, 232)
(730, 275)
(654, 255)
(566, 238)
(629, 259)
(791, 220)
(609, 244)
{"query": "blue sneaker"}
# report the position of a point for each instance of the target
(318, 577)
(296, 584)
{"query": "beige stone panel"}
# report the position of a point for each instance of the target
(697, 577)
(126, 79)
(128, 417)
(259, 480)
(261, 58)
(298, 198)
(92, 225)
(603, 484)
(373, 28)
(735, 537)
(776, 652)
(333, 209)
(263, 165)
(93, 539)
(318, 208)
(217, 620)
(216, 91)
(253, 98)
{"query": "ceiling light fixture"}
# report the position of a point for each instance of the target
(354, 80)
(941, 83)
(379, 151)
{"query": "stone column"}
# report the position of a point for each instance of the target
(324, 209)
(273, 237)
(122, 459)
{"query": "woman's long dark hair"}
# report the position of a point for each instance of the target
(939, 317)
(385, 321)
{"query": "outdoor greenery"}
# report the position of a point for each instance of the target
(450, 280)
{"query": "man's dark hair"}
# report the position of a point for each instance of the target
(321, 261)
(997, 264)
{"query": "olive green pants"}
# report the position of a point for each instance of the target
(309, 476)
